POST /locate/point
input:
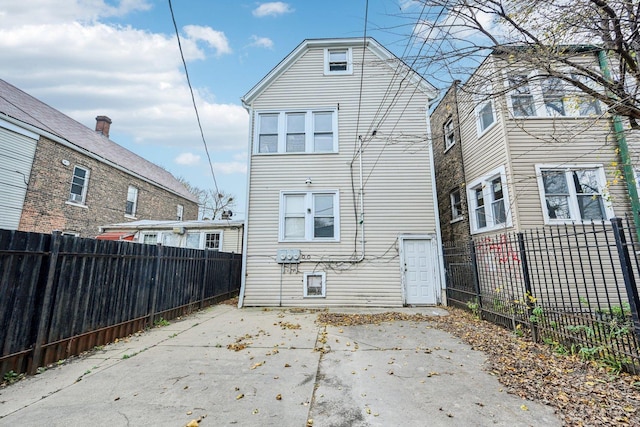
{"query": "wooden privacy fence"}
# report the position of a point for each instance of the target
(62, 295)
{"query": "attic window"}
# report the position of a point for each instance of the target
(337, 61)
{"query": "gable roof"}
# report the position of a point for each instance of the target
(23, 110)
(383, 53)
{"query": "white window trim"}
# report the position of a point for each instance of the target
(308, 223)
(323, 275)
(132, 215)
(179, 212)
(148, 233)
(451, 201)
(349, 69)
(446, 133)
(309, 131)
(573, 208)
(84, 187)
(480, 103)
(534, 81)
(204, 239)
(471, 201)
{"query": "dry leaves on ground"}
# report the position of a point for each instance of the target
(584, 393)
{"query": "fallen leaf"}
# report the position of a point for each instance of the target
(524, 407)
(240, 396)
(279, 397)
(193, 423)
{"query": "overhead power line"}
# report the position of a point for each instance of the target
(195, 107)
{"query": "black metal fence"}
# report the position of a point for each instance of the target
(572, 286)
(62, 295)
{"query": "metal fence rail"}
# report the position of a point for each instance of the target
(61, 295)
(573, 286)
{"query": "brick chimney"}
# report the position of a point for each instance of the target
(102, 125)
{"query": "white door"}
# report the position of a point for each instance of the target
(419, 272)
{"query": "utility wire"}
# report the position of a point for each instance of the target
(195, 107)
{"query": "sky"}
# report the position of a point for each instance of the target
(120, 58)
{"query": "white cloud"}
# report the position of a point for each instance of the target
(272, 9)
(262, 42)
(187, 159)
(230, 168)
(215, 39)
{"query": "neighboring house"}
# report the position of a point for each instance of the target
(341, 192)
(221, 235)
(56, 174)
(538, 153)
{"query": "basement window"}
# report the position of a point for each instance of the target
(315, 285)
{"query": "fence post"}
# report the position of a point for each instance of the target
(47, 302)
(153, 295)
(476, 275)
(204, 277)
(527, 285)
(627, 273)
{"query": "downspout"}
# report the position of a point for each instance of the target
(245, 229)
(627, 169)
(436, 212)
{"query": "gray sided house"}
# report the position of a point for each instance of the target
(56, 174)
(341, 192)
(217, 235)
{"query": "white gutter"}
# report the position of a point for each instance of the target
(243, 279)
(87, 153)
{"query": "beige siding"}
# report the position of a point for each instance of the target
(397, 190)
(232, 240)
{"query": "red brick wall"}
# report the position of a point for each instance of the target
(46, 206)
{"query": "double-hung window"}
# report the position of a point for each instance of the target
(456, 205)
(338, 61)
(521, 97)
(79, 183)
(132, 201)
(297, 131)
(449, 134)
(573, 193)
(309, 216)
(179, 212)
(489, 202)
(484, 110)
(553, 94)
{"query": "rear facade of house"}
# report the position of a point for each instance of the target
(341, 200)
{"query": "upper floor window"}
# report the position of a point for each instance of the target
(489, 202)
(309, 216)
(449, 134)
(132, 201)
(546, 96)
(79, 183)
(179, 212)
(338, 61)
(301, 131)
(573, 193)
(484, 110)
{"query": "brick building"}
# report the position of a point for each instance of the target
(449, 169)
(56, 174)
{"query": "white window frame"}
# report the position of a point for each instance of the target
(454, 208)
(309, 216)
(484, 100)
(323, 278)
(85, 185)
(309, 131)
(327, 61)
(132, 193)
(179, 212)
(204, 240)
(449, 134)
(484, 183)
(574, 209)
(572, 98)
(144, 234)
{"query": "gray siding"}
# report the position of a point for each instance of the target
(16, 158)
